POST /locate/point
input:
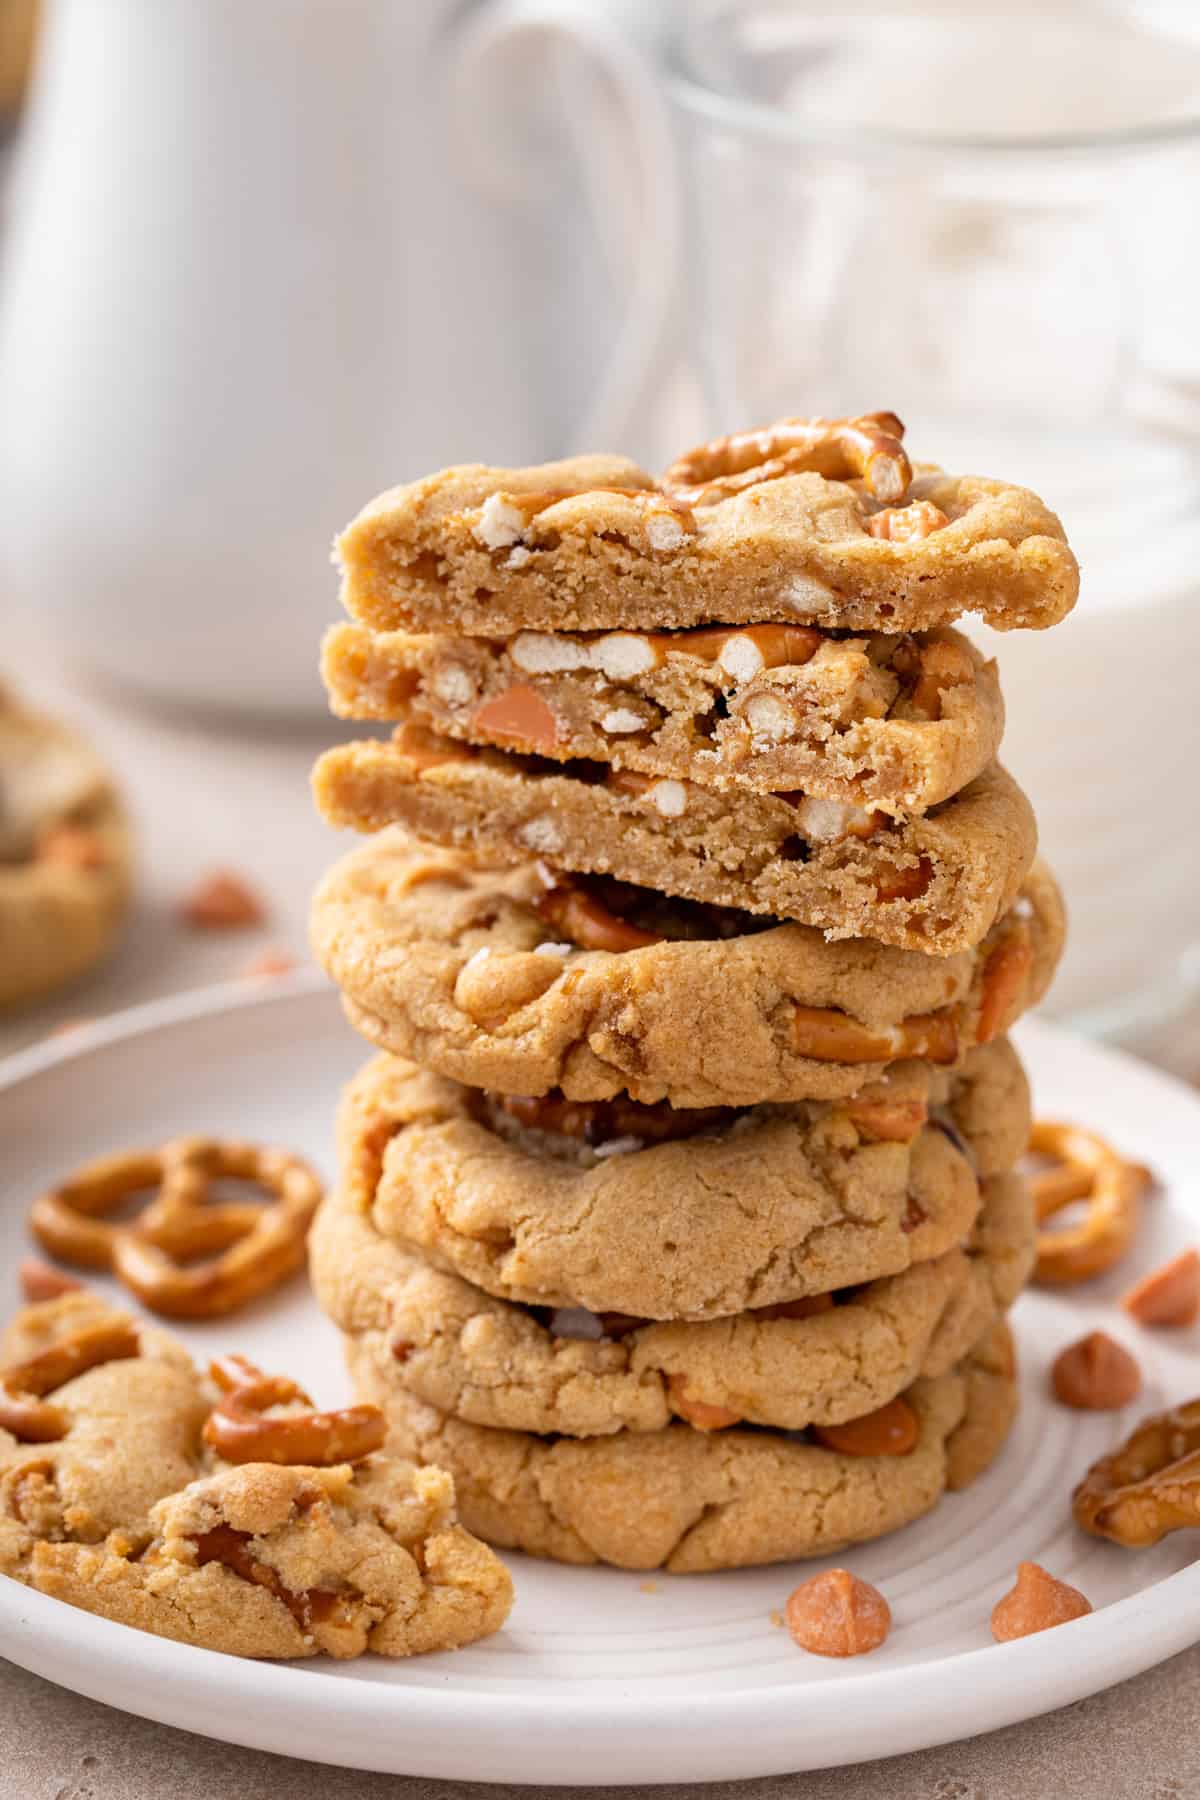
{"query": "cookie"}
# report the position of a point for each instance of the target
(895, 722)
(113, 1499)
(936, 882)
(472, 971)
(65, 856)
(764, 1206)
(580, 1374)
(688, 1500)
(594, 544)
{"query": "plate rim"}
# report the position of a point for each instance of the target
(415, 1729)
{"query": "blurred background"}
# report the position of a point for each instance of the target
(262, 258)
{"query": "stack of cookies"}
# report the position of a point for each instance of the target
(678, 1216)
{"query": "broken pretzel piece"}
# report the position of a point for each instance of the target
(1147, 1487)
(240, 1431)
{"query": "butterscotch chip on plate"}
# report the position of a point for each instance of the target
(65, 856)
(1037, 1602)
(895, 722)
(594, 543)
(689, 1500)
(821, 1360)
(507, 980)
(742, 1211)
(836, 1614)
(935, 882)
(113, 1499)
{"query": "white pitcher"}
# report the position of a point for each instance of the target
(272, 255)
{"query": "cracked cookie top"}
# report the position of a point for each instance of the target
(773, 1203)
(482, 973)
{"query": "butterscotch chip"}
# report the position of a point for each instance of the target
(935, 883)
(1169, 1296)
(1095, 1374)
(572, 1371)
(836, 1614)
(222, 901)
(593, 544)
(781, 1202)
(1037, 1602)
(690, 1500)
(65, 856)
(445, 961)
(891, 721)
(42, 1281)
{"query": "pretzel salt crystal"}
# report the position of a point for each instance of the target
(840, 449)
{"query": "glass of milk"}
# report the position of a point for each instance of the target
(987, 219)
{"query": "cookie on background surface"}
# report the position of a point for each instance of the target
(65, 855)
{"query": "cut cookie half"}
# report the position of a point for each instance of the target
(593, 543)
(898, 723)
(935, 882)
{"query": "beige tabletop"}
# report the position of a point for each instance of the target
(223, 795)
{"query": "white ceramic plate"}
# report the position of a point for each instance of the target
(602, 1676)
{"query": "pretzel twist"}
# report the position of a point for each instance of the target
(1147, 1487)
(867, 447)
(238, 1430)
(183, 1256)
(24, 1409)
(1088, 1169)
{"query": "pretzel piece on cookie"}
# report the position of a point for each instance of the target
(1147, 1487)
(867, 447)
